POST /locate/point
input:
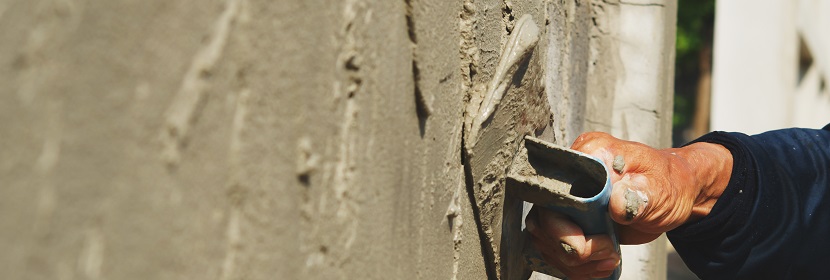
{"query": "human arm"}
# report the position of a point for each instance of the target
(773, 220)
(770, 220)
(654, 191)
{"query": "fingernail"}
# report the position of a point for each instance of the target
(568, 257)
(619, 164)
(635, 201)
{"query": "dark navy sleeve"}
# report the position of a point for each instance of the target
(773, 219)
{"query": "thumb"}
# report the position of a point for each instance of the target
(628, 201)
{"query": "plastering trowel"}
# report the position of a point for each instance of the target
(561, 180)
(504, 168)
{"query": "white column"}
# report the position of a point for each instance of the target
(755, 65)
(643, 103)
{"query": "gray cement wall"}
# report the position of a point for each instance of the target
(246, 139)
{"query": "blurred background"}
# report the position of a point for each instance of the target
(693, 69)
(750, 66)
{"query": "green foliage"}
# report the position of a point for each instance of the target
(695, 23)
(695, 20)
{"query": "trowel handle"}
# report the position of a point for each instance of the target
(561, 180)
(591, 214)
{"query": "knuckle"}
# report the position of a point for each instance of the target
(592, 140)
(597, 136)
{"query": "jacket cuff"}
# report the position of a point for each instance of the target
(735, 204)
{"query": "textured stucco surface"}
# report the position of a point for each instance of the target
(247, 139)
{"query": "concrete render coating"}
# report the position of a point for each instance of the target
(249, 139)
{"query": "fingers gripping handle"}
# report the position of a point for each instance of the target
(564, 181)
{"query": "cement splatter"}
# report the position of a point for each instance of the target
(635, 202)
(567, 248)
(307, 161)
(619, 164)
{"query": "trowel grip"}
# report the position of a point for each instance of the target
(591, 214)
(561, 180)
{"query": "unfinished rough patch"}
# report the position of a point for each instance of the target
(514, 106)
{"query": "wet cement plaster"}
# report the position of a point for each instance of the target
(512, 105)
(241, 139)
(234, 139)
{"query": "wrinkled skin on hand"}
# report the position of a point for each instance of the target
(654, 191)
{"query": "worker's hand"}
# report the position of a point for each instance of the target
(654, 191)
(563, 246)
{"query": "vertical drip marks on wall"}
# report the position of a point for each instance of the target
(232, 246)
(54, 23)
(91, 259)
(190, 98)
(455, 220)
(350, 60)
(422, 107)
(329, 212)
(351, 65)
(237, 191)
